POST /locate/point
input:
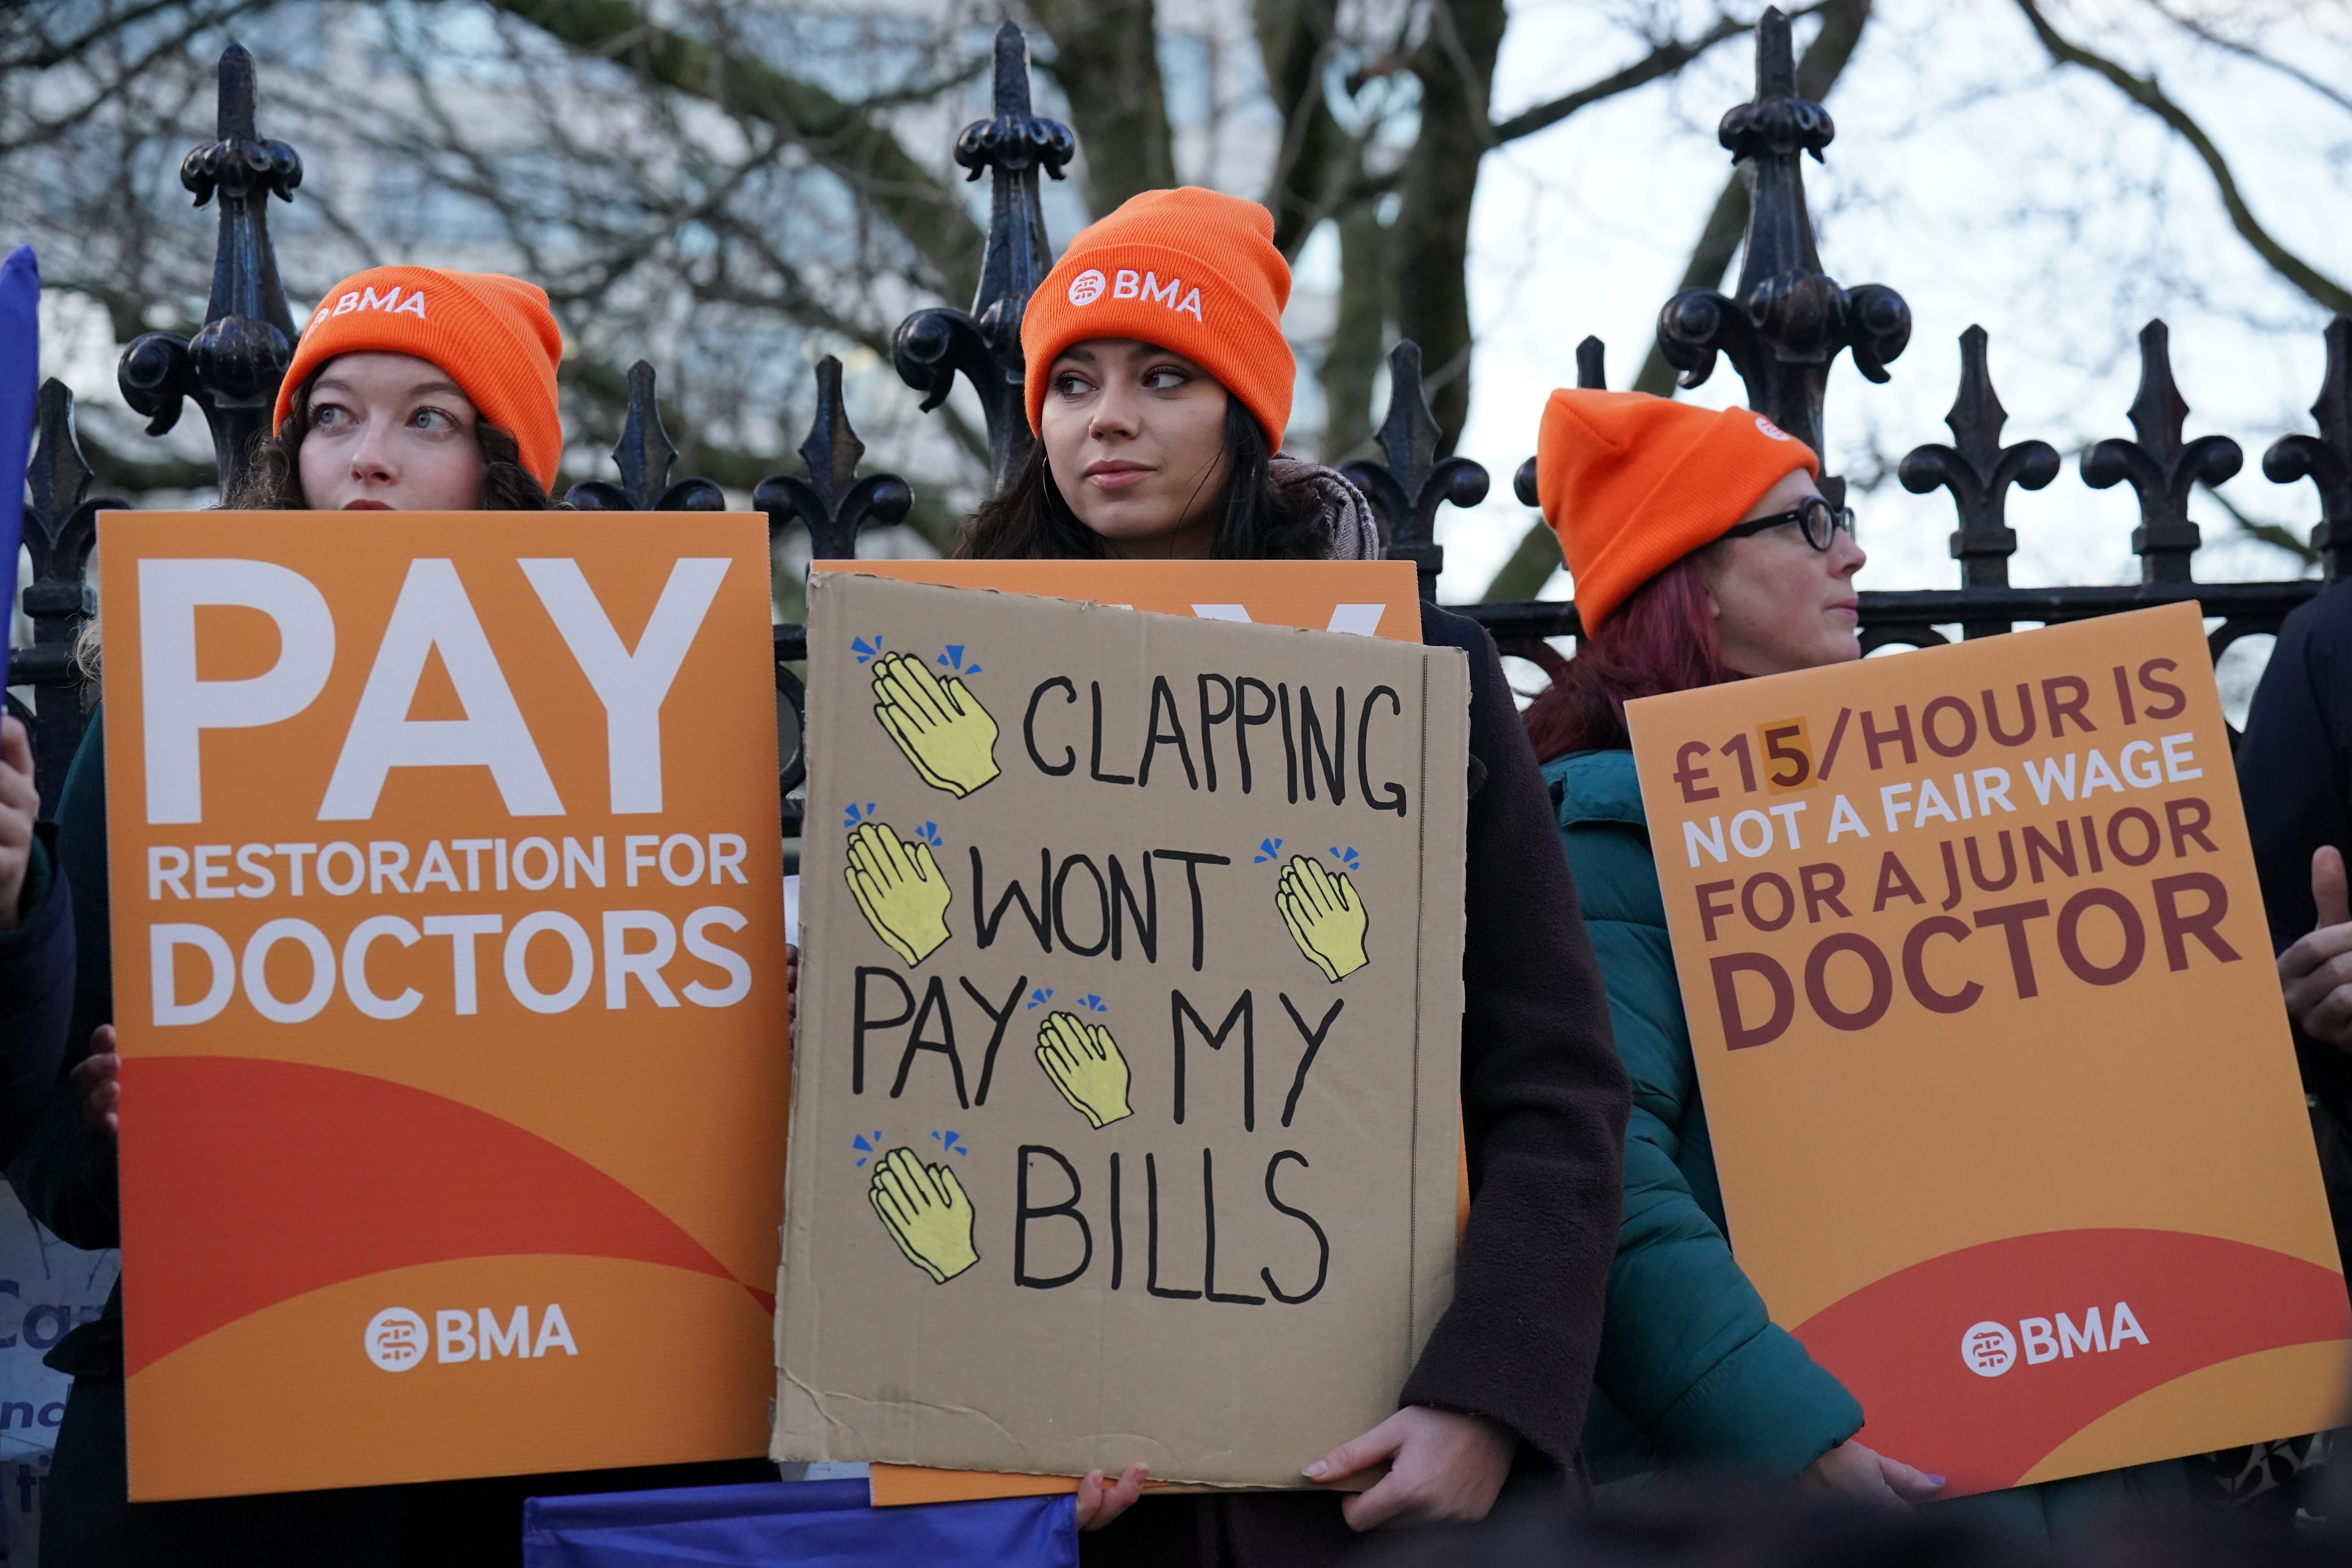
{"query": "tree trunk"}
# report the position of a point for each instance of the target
(1430, 240)
(1106, 62)
(1292, 37)
(1357, 349)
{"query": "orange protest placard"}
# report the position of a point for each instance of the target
(1995, 1064)
(446, 877)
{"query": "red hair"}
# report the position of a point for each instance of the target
(1661, 640)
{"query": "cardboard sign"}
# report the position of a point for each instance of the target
(1124, 1121)
(449, 984)
(1996, 1066)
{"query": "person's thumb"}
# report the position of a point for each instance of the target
(2328, 887)
(1910, 1484)
(1355, 1455)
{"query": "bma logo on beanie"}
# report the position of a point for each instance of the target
(1089, 286)
(1126, 287)
(369, 299)
(1192, 272)
(1774, 431)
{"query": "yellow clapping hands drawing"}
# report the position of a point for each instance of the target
(924, 1209)
(900, 890)
(939, 725)
(1085, 1064)
(1325, 917)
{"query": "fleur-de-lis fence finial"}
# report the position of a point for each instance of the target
(643, 456)
(60, 528)
(833, 502)
(984, 344)
(1978, 469)
(1788, 321)
(233, 365)
(2325, 459)
(2160, 466)
(1409, 484)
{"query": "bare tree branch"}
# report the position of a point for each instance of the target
(2287, 69)
(1662, 61)
(45, 53)
(1295, 40)
(2276, 534)
(2143, 90)
(843, 136)
(1825, 60)
(170, 46)
(1429, 245)
(1106, 62)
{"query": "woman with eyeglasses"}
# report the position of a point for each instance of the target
(1703, 552)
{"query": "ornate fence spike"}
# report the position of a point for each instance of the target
(1788, 318)
(1591, 375)
(1407, 489)
(2325, 459)
(644, 455)
(56, 476)
(930, 346)
(2160, 466)
(1978, 469)
(833, 502)
(231, 368)
(60, 528)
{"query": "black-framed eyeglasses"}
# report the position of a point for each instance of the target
(1814, 517)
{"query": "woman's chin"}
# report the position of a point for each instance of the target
(1138, 531)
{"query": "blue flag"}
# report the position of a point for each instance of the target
(20, 379)
(828, 1523)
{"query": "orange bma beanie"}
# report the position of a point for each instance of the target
(491, 334)
(1190, 270)
(1633, 483)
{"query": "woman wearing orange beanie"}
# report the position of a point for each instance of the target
(411, 389)
(1167, 317)
(1158, 382)
(1702, 552)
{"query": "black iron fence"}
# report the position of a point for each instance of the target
(1781, 328)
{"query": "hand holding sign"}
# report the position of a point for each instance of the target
(1085, 1064)
(2317, 971)
(940, 726)
(20, 803)
(899, 889)
(1325, 917)
(924, 1209)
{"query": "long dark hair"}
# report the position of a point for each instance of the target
(1264, 520)
(272, 481)
(1660, 640)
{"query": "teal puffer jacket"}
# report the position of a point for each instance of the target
(1692, 1369)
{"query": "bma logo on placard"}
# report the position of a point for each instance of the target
(398, 1341)
(1989, 1349)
